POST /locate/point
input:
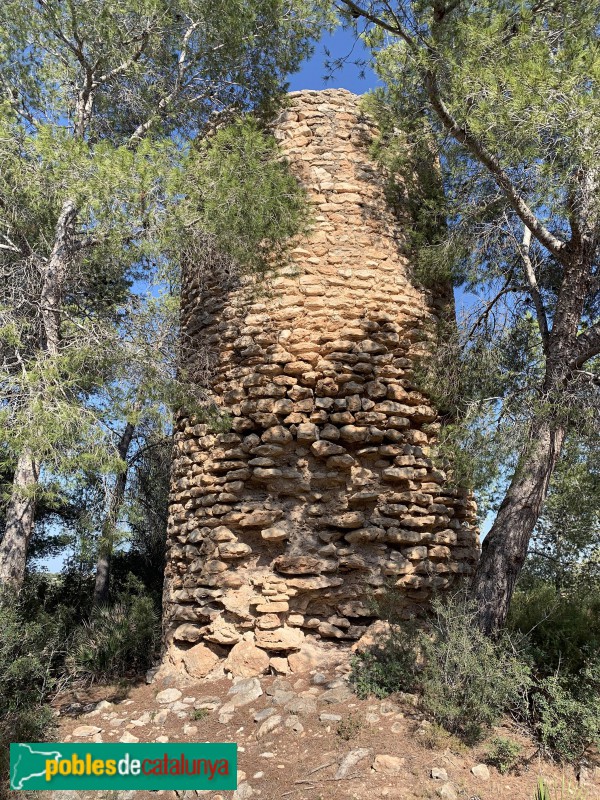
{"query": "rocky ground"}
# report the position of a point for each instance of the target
(308, 737)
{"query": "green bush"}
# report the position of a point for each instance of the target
(468, 681)
(561, 626)
(389, 667)
(116, 640)
(561, 631)
(503, 754)
(465, 680)
(565, 712)
(30, 652)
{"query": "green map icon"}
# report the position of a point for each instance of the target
(71, 766)
(28, 761)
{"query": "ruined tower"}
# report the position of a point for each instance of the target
(323, 490)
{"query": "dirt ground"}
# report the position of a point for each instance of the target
(301, 757)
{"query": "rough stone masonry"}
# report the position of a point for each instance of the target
(323, 491)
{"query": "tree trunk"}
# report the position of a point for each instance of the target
(55, 274)
(106, 544)
(19, 522)
(505, 547)
(21, 507)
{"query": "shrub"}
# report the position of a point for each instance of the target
(434, 737)
(468, 680)
(389, 668)
(565, 712)
(503, 754)
(465, 680)
(349, 727)
(116, 640)
(560, 626)
(29, 654)
(561, 630)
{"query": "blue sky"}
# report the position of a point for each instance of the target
(340, 44)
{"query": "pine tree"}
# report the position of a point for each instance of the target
(510, 93)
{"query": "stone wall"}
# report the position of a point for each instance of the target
(323, 490)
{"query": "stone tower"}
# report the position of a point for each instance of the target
(322, 492)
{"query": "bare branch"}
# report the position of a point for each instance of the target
(125, 65)
(356, 10)
(506, 289)
(464, 136)
(534, 291)
(587, 345)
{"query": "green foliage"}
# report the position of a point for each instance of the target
(465, 680)
(198, 714)
(116, 640)
(561, 638)
(29, 652)
(468, 681)
(435, 737)
(565, 712)
(542, 791)
(349, 727)
(561, 626)
(484, 387)
(565, 550)
(503, 754)
(99, 104)
(379, 674)
(240, 199)
(405, 148)
(167, 63)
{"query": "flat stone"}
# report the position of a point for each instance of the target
(340, 694)
(312, 657)
(128, 738)
(281, 697)
(324, 717)
(276, 533)
(269, 725)
(244, 691)
(280, 639)
(388, 764)
(447, 791)
(439, 774)
(279, 685)
(83, 731)
(209, 703)
(481, 771)
(199, 661)
(280, 664)
(245, 660)
(168, 696)
(188, 632)
(260, 716)
(301, 706)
